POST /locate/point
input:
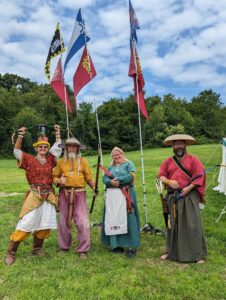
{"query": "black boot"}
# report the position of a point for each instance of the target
(11, 252)
(130, 253)
(117, 250)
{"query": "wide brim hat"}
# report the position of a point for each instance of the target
(72, 141)
(188, 139)
(42, 140)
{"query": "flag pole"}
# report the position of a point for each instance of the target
(66, 110)
(141, 142)
(133, 26)
(65, 101)
(98, 132)
(147, 226)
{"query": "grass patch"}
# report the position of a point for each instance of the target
(110, 276)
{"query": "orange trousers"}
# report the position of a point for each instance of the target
(19, 235)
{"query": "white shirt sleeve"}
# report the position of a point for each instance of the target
(18, 154)
(55, 150)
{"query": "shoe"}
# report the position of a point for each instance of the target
(11, 252)
(165, 256)
(63, 250)
(38, 252)
(200, 261)
(37, 247)
(117, 250)
(83, 255)
(131, 253)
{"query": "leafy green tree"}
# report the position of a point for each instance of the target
(176, 112)
(25, 103)
(84, 126)
(208, 113)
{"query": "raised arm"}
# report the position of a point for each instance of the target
(17, 148)
(55, 150)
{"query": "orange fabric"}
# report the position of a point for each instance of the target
(20, 236)
(42, 234)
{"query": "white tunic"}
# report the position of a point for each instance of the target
(115, 212)
(43, 217)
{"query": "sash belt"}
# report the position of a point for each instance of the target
(71, 199)
(126, 193)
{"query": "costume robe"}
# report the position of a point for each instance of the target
(185, 240)
(131, 239)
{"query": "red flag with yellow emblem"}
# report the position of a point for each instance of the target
(84, 73)
(135, 71)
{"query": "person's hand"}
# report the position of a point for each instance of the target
(56, 127)
(95, 193)
(115, 182)
(22, 131)
(62, 180)
(174, 184)
(186, 190)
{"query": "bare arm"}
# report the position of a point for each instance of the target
(17, 148)
(55, 150)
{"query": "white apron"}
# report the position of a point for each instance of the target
(115, 212)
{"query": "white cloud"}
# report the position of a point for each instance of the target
(180, 42)
(75, 4)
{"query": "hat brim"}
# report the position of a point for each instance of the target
(187, 142)
(81, 147)
(41, 143)
(188, 139)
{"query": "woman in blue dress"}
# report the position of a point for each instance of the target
(121, 224)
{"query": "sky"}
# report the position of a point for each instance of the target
(181, 44)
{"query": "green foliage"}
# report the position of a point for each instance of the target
(25, 103)
(208, 113)
(12, 81)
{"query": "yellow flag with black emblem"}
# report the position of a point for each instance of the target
(56, 48)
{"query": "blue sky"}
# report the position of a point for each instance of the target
(181, 44)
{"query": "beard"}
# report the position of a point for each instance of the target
(72, 156)
(179, 152)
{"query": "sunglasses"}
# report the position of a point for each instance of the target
(43, 147)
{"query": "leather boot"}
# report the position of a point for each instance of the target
(11, 252)
(37, 247)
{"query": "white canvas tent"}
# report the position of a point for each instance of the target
(221, 188)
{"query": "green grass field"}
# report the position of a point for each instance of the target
(113, 276)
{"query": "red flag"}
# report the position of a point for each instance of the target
(135, 71)
(57, 84)
(84, 73)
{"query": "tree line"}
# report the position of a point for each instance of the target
(26, 103)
